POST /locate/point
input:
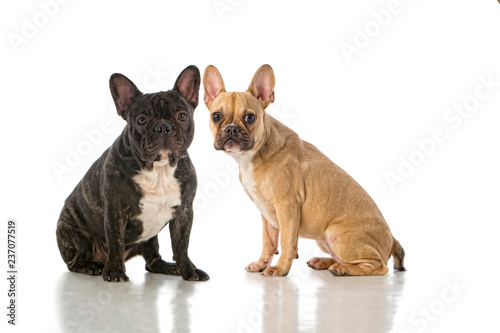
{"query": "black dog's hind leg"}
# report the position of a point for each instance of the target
(76, 248)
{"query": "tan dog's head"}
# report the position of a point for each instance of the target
(237, 118)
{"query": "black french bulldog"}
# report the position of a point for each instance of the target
(143, 182)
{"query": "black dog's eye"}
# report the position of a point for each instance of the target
(182, 116)
(249, 118)
(216, 117)
(141, 120)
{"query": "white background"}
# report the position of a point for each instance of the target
(365, 111)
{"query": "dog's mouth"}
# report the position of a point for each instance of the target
(165, 154)
(164, 149)
(231, 145)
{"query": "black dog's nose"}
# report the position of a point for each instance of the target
(232, 129)
(163, 127)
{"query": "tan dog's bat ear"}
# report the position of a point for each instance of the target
(213, 84)
(262, 85)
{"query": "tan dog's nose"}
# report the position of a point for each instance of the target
(232, 129)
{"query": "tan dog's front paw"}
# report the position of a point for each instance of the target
(274, 271)
(320, 263)
(256, 266)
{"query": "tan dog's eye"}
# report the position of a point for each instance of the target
(216, 117)
(250, 118)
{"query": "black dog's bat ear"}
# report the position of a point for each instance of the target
(188, 84)
(123, 91)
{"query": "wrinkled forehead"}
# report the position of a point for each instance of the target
(162, 103)
(237, 103)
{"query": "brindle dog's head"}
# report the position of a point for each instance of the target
(237, 118)
(160, 126)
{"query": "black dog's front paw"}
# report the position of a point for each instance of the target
(163, 267)
(195, 275)
(114, 275)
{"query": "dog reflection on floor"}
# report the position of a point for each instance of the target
(361, 304)
(306, 301)
(85, 304)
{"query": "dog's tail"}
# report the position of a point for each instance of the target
(398, 254)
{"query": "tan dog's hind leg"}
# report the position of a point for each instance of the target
(356, 255)
(321, 263)
(270, 236)
(362, 269)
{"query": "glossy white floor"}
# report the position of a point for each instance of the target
(232, 302)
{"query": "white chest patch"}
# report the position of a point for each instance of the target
(248, 182)
(161, 193)
(246, 174)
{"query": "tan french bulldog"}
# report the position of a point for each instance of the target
(297, 189)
